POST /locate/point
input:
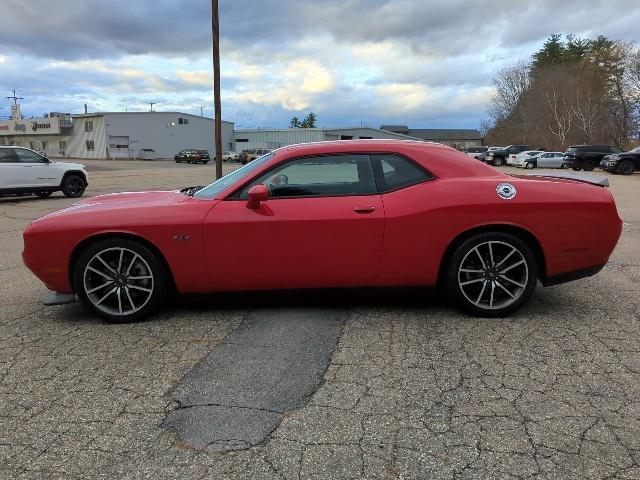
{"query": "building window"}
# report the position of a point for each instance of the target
(44, 145)
(183, 121)
(91, 145)
(88, 126)
(63, 145)
(32, 145)
(242, 140)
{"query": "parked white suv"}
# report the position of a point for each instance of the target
(24, 171)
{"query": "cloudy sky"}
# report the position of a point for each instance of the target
(425, 63)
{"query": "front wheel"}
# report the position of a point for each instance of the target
(491, 274)
(589, 165)
(120, 280)
(625, 167)
(73, 186)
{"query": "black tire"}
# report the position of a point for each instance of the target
(501, 245)
(498, 162)
(73, 186)
(160, 283)
(589, 165)
(625, 167)
(576, 168)
(44, 194)
(178, 161)
(530, 165)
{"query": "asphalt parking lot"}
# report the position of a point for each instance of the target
(388, 386)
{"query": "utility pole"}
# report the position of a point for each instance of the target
(215, 33)
(202, 111)
(14, 98)
(152, 104)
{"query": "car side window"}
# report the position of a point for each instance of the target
(8, 155)
(394, 172)
(26, 156)
(322, 176)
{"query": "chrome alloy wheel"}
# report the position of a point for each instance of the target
(118, 281)
(493, 275)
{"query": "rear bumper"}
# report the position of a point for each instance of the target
(571, 276)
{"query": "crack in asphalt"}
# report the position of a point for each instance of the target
(270, 365)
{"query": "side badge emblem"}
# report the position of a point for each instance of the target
(182, 237)
(506, 191)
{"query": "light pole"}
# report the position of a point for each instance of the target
(215, 33)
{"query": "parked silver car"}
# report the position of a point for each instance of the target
(547, 160)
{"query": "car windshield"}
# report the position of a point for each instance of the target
(222, 184)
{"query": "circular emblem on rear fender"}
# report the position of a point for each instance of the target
(506, 191)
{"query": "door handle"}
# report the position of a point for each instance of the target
(364, 209)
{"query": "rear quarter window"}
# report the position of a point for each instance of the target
(394, 172)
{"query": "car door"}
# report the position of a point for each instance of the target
(322, 226)
(555, 160)
(38, 170)
(11, 170)
(543, 160)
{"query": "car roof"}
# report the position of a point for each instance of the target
(441, 160)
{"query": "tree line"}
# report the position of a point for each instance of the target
(572, 91)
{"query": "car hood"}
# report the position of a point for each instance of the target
(69, 165)
(112, 200)
(127, 200)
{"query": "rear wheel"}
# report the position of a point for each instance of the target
(625, 167)
(121, 280)
(498, 161)
(73, 186)
(491, 274)
(529, 165)
(589, 165)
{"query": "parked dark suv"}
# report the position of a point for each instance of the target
(587, 157)
(622, 163)
(499, 157)
(192, 155)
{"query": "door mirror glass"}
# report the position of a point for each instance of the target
(257, 194)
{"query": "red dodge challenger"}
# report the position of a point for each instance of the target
(332, 214)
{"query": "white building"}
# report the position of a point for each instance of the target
(271, 138)
(115, 134)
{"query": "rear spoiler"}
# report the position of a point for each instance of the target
(578, 177)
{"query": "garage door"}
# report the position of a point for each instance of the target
(119, 147)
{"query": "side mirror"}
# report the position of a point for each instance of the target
(257, 194)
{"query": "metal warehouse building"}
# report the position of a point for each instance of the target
(271, 138)
(457, 138)
(115, 134)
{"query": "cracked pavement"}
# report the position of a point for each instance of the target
(413, 389)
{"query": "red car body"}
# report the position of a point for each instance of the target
(400, 238)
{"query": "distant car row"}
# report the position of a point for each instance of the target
(192, 155)
(578, 157)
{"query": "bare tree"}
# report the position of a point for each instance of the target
(510, 84)
(561, 116)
